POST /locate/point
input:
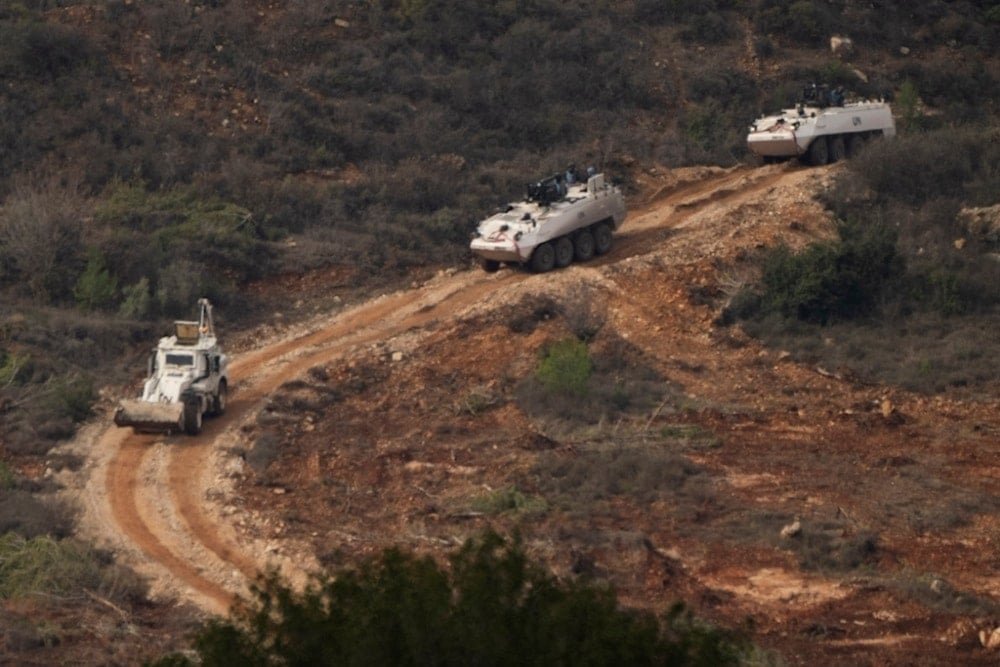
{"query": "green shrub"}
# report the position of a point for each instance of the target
(7, 477)
(73, 396)
(64, 568)
(97, 288)
(565, 367)
(645, 473)
(832, 281)
(137, 302)
(12, 367)
(52, 50)
(491, 607)
(42, 565)
(508, 499)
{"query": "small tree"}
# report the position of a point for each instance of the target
(97, 288)
(39, 236)
(907, 101)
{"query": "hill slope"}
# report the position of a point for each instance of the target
(413, 420)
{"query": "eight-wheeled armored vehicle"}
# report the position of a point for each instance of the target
(822, 128)
(188, 377)
(561, 219)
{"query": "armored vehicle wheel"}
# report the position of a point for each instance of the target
(583, 244)
(837, 149)
(543, 259)
(490, 265)
(602, 238)
(564, 251)
(817, 154)
(853, 144)
(220, 399)
(192, 418)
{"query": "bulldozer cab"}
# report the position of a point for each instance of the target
(186, 332)
(190, 333)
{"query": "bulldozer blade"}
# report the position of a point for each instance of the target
(150, 417)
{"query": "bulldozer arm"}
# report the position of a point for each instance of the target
(150, 417)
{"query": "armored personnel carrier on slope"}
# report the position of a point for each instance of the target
(560, 220)
(822, 128)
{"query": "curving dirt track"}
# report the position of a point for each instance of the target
(155, 499)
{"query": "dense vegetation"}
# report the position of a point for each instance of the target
(910, 287)
(491, 607)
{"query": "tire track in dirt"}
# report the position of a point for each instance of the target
(255, 376)
(259, 373)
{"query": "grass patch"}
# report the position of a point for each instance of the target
(508, 500)
(66, 568)
(938, 594)
(574, 390)
(643, 473)
(832, 547)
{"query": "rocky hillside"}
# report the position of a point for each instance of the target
(829, 481)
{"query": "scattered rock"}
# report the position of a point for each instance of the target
(990, 638)
(792, 530)
(841, 45)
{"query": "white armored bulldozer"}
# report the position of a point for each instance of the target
(823, 128)
(563, 218)
(187, 378)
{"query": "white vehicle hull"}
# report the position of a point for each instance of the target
(791, 132)
(513, 235)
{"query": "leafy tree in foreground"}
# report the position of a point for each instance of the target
(491, 607)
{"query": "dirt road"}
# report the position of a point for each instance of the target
(180, 509)
(157, 497)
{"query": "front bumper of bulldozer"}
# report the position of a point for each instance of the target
(148, 417)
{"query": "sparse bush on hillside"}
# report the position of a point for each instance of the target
(51, 51)
(64, 568)
(40, 230)
(30, 515)
(806, 22)
(565, 367)
(586, 482)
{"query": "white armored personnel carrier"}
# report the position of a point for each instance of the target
(823, 128)
(560, 220)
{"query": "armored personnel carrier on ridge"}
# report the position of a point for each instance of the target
(822, 128)
(560, 220)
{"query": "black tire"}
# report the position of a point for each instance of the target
(543, 259)
(853, 144)
(838, 151)
(602, 238)
(817, 154)
(192, 417)
(583, 245)
(564, 251)
(221, 398)
(490, 265)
